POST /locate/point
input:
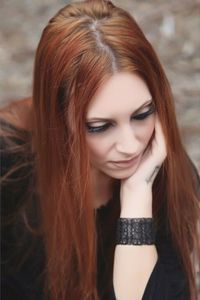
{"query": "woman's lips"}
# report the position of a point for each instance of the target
(126, 163)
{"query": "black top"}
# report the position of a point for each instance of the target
(167, 280)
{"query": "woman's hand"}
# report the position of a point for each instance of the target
(139, 185)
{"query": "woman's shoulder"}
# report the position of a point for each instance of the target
(17, 114)
(15, 127)
(16, 165)
(19, 211)
(15, 146)
(15, 130)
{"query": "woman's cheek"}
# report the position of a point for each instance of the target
(97, 148)
(146, 131)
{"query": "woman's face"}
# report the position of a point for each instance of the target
(119, 124)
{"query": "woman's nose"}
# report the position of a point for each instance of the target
(127, 142)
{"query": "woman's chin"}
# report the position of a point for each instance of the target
(123, 172)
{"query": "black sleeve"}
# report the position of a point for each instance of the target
(167, 280)
(21, 258)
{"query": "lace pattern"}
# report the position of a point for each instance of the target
(135, 231)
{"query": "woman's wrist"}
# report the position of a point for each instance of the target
(137, 203)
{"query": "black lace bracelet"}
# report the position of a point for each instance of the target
(135, 231)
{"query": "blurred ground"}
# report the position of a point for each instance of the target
(171, 26)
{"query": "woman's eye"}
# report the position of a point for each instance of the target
(97, 129)
(139, 117)
(145, 114)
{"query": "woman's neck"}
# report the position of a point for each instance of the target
(103, 187)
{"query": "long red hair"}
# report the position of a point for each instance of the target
(81, 47)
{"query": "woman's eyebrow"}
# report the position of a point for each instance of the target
(110, 120)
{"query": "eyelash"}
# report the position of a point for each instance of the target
(139, 117)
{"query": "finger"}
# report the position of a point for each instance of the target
(159, 136)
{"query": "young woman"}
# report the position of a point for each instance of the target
(99, 197)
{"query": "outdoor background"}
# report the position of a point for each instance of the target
(173, 28)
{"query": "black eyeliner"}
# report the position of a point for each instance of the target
(98, 129)
(139, 117)
(145, 114)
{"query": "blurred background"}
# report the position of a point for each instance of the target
(173, 28)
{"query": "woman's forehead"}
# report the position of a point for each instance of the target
(122, 92)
